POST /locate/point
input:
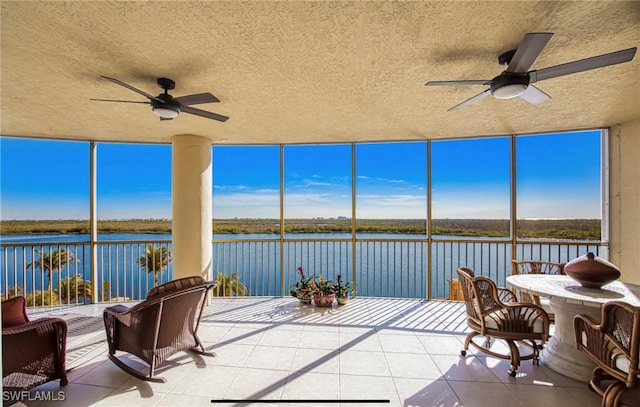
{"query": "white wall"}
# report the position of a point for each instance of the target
(624, 195)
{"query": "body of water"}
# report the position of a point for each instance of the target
(385, 265)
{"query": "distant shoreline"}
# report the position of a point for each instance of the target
(573, 229)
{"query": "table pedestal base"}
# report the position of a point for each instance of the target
(561, 354)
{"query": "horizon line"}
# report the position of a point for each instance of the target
(277, 219)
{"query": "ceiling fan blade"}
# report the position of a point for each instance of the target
(464, 82)
(196, 99)
(121, 101)
(531, 46)
(471, 100)
(586, 64)
(534, 95)
(126, 85)
(204, 113)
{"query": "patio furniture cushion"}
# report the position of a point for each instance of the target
(623, 363)
(490, 316)
(537, 267)
(33, 352)
(173, 286)
(500, 319)
(14, 312)
(613, 344)
(620, 361)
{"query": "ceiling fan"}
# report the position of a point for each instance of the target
(516, 80)
(166, 106)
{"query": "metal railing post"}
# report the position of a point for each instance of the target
(429, 223)
(353, 219)
(93, 221)
(282, 288)
(513, 224)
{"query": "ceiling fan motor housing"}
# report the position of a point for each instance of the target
(167, 108)
(509, 85)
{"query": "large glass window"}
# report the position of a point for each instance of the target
(246, 190)
(317, 188)
(470, 187)
(391, 188)
(134, 187)
(45, 180)
(559, 185)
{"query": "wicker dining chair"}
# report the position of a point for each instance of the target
(536, 267)
(489, 316)
(613, 344)
(162, 325)
(33, 351)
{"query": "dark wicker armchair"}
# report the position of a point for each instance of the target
(536, 267)
(488, 315)
(162, 325)
(614, 346)
(33, 352)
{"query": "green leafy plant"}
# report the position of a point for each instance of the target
(343, 290)
(40, 298)
(106, 291)
(305, 283)
(74, 289)
(323, 287)
(12, 292)
(155, 260)
(52, 262)
(229, 286)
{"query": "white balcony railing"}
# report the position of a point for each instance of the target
(403, 268)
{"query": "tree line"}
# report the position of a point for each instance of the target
(575, 229)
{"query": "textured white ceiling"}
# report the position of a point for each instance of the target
(289, 72)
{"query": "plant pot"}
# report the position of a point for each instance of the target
(304, 296)
(323, 300)
(342, 300)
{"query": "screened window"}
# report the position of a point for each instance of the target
(559, 185)
(391, 188)
(134, 183)
(246, 190)
(317, 188)
(471, 192)
(45, 180)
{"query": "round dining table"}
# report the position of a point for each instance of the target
(567, 299)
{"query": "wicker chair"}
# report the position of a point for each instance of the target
(614, 346)
(488, 315)
(536, 267)
(33, 352)
(162, 325)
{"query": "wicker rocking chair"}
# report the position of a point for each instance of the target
(33, 352)
(162, 325)
(614, 346)
(490, 316)
(536, 267)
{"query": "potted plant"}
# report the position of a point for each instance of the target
(303, 287)
(324, 292)
(343, 291)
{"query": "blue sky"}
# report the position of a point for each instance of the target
(558, 176)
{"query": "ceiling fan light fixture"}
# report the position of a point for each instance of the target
(509, 91)
(166, 111)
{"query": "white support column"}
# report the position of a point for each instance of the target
(624, 201)
(191, 206)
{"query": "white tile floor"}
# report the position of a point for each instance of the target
(277, 351)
